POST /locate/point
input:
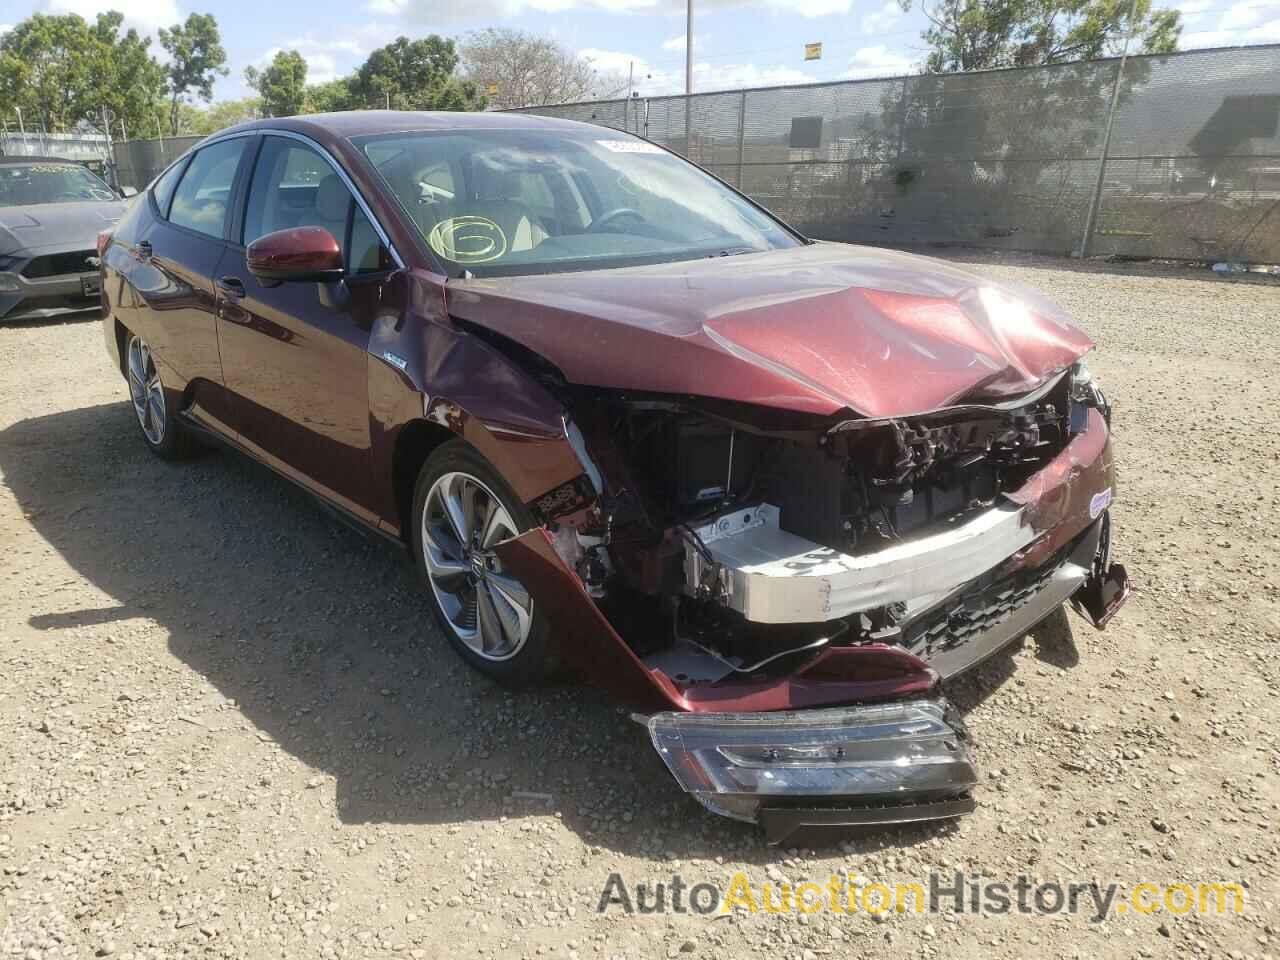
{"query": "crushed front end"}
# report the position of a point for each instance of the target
(783, 597)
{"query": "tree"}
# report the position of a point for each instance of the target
(282, 85)
(414, 75)
(63, 73)
(330, 97)
(987, 34)
(43, 69)
(519, 69)
(126, 84)
(219, 116)
(196, 59)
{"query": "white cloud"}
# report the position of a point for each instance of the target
(321, 67)
(810, 9)
(328, 59)
(878, 61)
(880, 20)
(1240, 15)
(652, 81)
(1193, 9)
(678, 43)
(428, 12)
(146, 15)
(1244, 22)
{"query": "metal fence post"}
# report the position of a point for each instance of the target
(1091, 218)
(742, 134)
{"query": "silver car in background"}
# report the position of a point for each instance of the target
(51, 212)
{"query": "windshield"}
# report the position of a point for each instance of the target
(507, 202)
(22, 184)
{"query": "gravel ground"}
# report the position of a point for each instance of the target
(227, 728)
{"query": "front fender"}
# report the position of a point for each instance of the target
(425, 369)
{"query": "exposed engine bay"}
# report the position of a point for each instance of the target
(788, 589)
(730, 542)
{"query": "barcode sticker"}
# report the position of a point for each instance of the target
(630, 146)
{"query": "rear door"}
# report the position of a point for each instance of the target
(295, 354)
(177, 259)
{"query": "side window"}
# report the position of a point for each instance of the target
(293, 186)
(165, 185)
(201, 200)
(367, 254)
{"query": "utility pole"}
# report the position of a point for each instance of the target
(688, 79)
(113, 180)
(1106, 136)
(688, 47)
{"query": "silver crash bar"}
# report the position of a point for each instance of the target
(771, 576)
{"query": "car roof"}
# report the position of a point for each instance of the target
(359, 123)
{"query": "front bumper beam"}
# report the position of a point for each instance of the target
(882, 763)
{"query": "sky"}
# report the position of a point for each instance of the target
(736, 42)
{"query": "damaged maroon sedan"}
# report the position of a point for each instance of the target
(768, 491)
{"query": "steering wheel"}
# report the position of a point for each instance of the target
(600, 222)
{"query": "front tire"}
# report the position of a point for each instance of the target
(165, 436)
(462, 507)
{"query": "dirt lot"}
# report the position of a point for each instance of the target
(227, 728)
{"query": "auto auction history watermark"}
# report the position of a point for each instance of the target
(940, 893)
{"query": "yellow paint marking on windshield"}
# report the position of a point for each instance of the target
(468, 239)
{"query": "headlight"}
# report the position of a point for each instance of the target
(1086, 393)
(9, 283)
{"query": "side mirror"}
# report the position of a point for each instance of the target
(127, 192)
(299, 253)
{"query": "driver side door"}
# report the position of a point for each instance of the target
(294, 353)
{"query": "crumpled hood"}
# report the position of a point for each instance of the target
(822, 328)
(59, 225)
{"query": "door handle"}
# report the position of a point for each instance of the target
(231, 286)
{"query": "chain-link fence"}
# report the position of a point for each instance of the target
(138, 162)
(68, 146)
(1005, 158)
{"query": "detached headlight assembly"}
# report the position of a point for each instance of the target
(1086, 393)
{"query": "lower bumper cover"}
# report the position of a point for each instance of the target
(25, 299)
(859, 765)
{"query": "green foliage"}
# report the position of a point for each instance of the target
(219, 116)
(196, 60)
(414, 75)
(328, 97)
(987, 34)
(63, 72)
(282, 85)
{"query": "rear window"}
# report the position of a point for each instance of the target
(164, 187)
(204, 193)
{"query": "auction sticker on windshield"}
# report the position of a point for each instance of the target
(630, 146)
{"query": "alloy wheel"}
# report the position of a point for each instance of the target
(146, 390)
(488, 609)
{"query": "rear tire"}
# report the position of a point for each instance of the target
(153, 404)
(461, 507)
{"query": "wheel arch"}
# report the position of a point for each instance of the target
(416, 441)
